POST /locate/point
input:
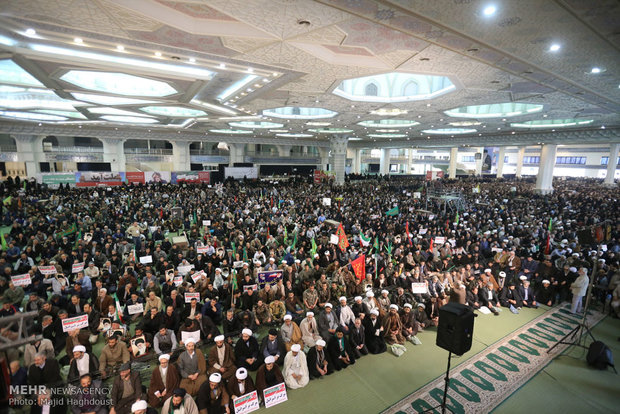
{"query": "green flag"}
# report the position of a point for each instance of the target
(294, 242)
(233, 282)
(314, 248)
(375, 245)
(392, 212)
(457, 218)
(245, 255)
(77, 240)
(388, 248)
(234, 249)
(7, 200)
(550, 224)
(285, 235)
(365, 241)
(5, 246)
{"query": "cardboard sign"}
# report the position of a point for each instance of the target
(77, 322)
(275, 395)
(248, 287)
(47, 270)
(197, 276)
(238, 264)
(183, 270)
(246, 403)
(418, 287)
(333, 239)
(440, 240)
(169, 274)
(422, 231)
(417, 194)
(77, 267)
(178, 280)
(189, 296)
(146, 259)
(194, 336)
(202, 249)
(327, 201)
(135, 309)
(206, 223)
(21, 280)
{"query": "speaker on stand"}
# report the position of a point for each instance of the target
(455, 332)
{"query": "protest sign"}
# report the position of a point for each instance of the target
(275, 395)
(194, 336)
(189, 296)
(77, 267)
(270, 277)
(246, 403)
(146, 259)
(418, 287)
(47, 270)
(77, 322)
(178, 280)
(248, 287)
(135, 309)
(21, 280)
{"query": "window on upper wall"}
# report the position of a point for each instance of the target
(506, 158)
(468, 158)
(571, 160)
(410, 89)
(605, 161)
(531, 160)
(371, 90)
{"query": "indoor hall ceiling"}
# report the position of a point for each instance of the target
(204, 64)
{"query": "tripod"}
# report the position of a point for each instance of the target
(577, 333)
(445, 390)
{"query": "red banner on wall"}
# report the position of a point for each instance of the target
(136, 177)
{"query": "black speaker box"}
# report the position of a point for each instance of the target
(456, 328)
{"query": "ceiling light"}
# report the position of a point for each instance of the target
(78, 40)
(489, 10)
(265, 80)
(158, 54)
(222, 66)
(120, 48)
(31, 32)
(595, 70)
(554, 47)
(250, 70)
(191, 60)
(129, 119)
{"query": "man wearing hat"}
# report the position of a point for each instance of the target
(81, 364)
(139, 407)
(422, 317)
(268, 375)
(409, 323)
(273, 345)
(309, 330)
(192, 368)
(328, 322)
(247, 352)
(180, 402)
(290, 333)
(213, 397)
(339, 350)
(392, 327)
(126, 390)
(545, 293)
(221, 358)
(164, 379)
(241, 385)
(374, 333)
(319, 363)
(295, 371)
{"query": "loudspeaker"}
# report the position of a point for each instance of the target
(456, 328)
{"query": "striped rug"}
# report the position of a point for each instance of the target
(482, 382)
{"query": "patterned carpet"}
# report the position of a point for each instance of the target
(485, 380)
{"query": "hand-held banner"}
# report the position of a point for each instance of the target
(246, 403)
(77, 322)
(270, 277)
(275, 395)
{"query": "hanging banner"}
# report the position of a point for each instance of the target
(96, 179)
(239, 173)
(77, 322)
(134, 177)
(270, 277)
(433, 175)
(190, 177)
(58, 178)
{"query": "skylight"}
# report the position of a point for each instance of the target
(35, 98)
(494, 110)
(331, 130)
(232, 131)
(129, 119)
(255, 125)
(296, 112)
(115, 111)
(118, 83)
(237, 86)
(173, 111)
(70, 114)
(392, 123)
(294, 135)
(552, 123)
(388, 112)
(109, 100)
(449, 131)
(31, 116)
(12, 73)
(387, 135)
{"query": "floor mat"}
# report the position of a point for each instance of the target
(491, 376)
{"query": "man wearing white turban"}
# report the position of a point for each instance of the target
(295, 372)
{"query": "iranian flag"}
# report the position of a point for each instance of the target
(119, 309)
(364, 241)
(549, 236)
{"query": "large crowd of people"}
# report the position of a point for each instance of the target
(180, 310)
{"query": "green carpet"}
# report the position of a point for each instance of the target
(568, 385)
(376, 382)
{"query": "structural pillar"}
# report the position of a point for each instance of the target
(338, 146)
(500, 162)
(324, 155)
(480, 162)
(30, 152)
(237, 154)
(409, 161)
(520, 156)
(180, 156)
(114, 153)
(544, 180)
(384, 161)
(284, 150)
(357, 161)
(454, 153)
(612, 163)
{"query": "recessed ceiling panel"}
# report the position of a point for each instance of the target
(12, 73)
(494, 110)
(296, 112)
(118, 83)
(173, 111)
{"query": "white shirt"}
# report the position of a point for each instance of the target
(82, 364)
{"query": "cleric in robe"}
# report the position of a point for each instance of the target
(295, 371)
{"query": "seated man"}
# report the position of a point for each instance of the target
(328, 322)
(357, 339)
(113, 354)
(164, 379)
(339, 351)
(318, 361)
(192, 367)
(82, 363)
(410, 325)
(510, 298)
(472, 298)
(180, 402)
(247, 352)
(309, 330)
(268, 375)
(88, 399)
(242, 385)
(528, 299)
(545, 293)
(277, 310)
(488, 297)
(393, 327)
(213, 397)
(164, 342)
(273, 345)
(422, 318)
(290, 333)
(222, 358)
(374, 333)
(126, 390)
(295, 371)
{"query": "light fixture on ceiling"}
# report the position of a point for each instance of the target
(158, 54)
(489, 10)
(191, 60)
(596, 70)
(78, 40)
(274, 74)
(30, 32)
(554, 47)
(222, 66)
(120, 48)
(250, 70)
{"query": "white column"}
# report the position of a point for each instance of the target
(284, 150)
(30, 152)
(454, 153)
(384, 161)
(338, 146)
(324, 155)
(612, 163)
(520, 156)
(409, 160)
(500, 162)
(237, 154)
(357, 161)
(480, 162)
(544, 180)
(180, 156)
(114, 153)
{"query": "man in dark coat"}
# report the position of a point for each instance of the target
(319, 362)
(340, 351)
(273, 345)
(357, 339)
(374, 333)
(268, 375)
(126, 390)
(247, 352)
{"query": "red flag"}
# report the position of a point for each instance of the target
(408, 236)
(161, 213)
(359, 267)
(431, 248)
(343, 243)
